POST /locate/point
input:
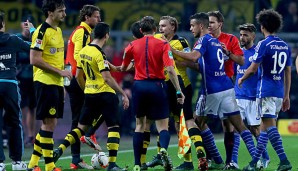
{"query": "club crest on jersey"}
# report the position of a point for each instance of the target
(52, 50)
(52, 111)
(170, 54)
(38, 43)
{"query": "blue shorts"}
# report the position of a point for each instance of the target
(150, 99)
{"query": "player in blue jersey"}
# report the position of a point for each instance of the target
(273, 86)
(216, 85)
(246, 95)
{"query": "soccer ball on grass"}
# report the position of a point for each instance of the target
(99, 160)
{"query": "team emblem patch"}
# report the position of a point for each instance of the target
(255, 56)
(52, 111)
(52, 50)
(38, 43)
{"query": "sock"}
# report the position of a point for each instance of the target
(158, 144)
(265, 154)
(187, 156)
(229, 145)
(262, 142)
(95, 125)
(276, 142)
(164, 139)
(37, 152)
(72, 137)
(76, 158)
(113, 143)
(249, 142)
(138, 139)
(47, 144)
(236, 147)
(194, 134)
(146, 142)
(208, 140)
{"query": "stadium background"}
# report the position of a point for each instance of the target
(120, 14)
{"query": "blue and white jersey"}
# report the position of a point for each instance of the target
(249, 87)
(211, 63)
(273, 55)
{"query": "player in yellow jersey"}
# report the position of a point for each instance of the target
(79, 38)
(100, 96)
(168, 26)
(47, 57)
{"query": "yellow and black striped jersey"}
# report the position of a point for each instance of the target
(181, 44)
(50, 42)
(93, 61)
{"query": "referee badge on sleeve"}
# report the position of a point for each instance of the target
(170, 54)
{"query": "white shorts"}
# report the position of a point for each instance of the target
(248, 111)
(221, 104)
(269, 107)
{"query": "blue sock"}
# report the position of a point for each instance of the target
(138, 146)
(265, 154)
(249, 142)
(276, 142)
(236, 147)
(208, 140)
(261, 146)
(164, 139)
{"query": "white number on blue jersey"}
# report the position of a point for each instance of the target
(280, 59)
(220, 58)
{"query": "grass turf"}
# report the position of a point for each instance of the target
(126, 158)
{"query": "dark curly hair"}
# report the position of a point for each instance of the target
(270, 19)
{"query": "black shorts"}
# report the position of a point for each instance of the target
(49, 101)
(27, 93)
(150, 99)
(187, 106)
(102, 103)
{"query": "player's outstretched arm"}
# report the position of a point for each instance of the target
(192, 56)
(251, 70)
(174, 80)
(112, 83)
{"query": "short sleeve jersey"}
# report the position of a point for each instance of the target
(181, 44)
(273, 55)
(150, 56)
(232, 45)
(249, 87)
(211, 64)
(50, 42)
(93, 61)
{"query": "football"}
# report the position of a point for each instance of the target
(99, 160)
